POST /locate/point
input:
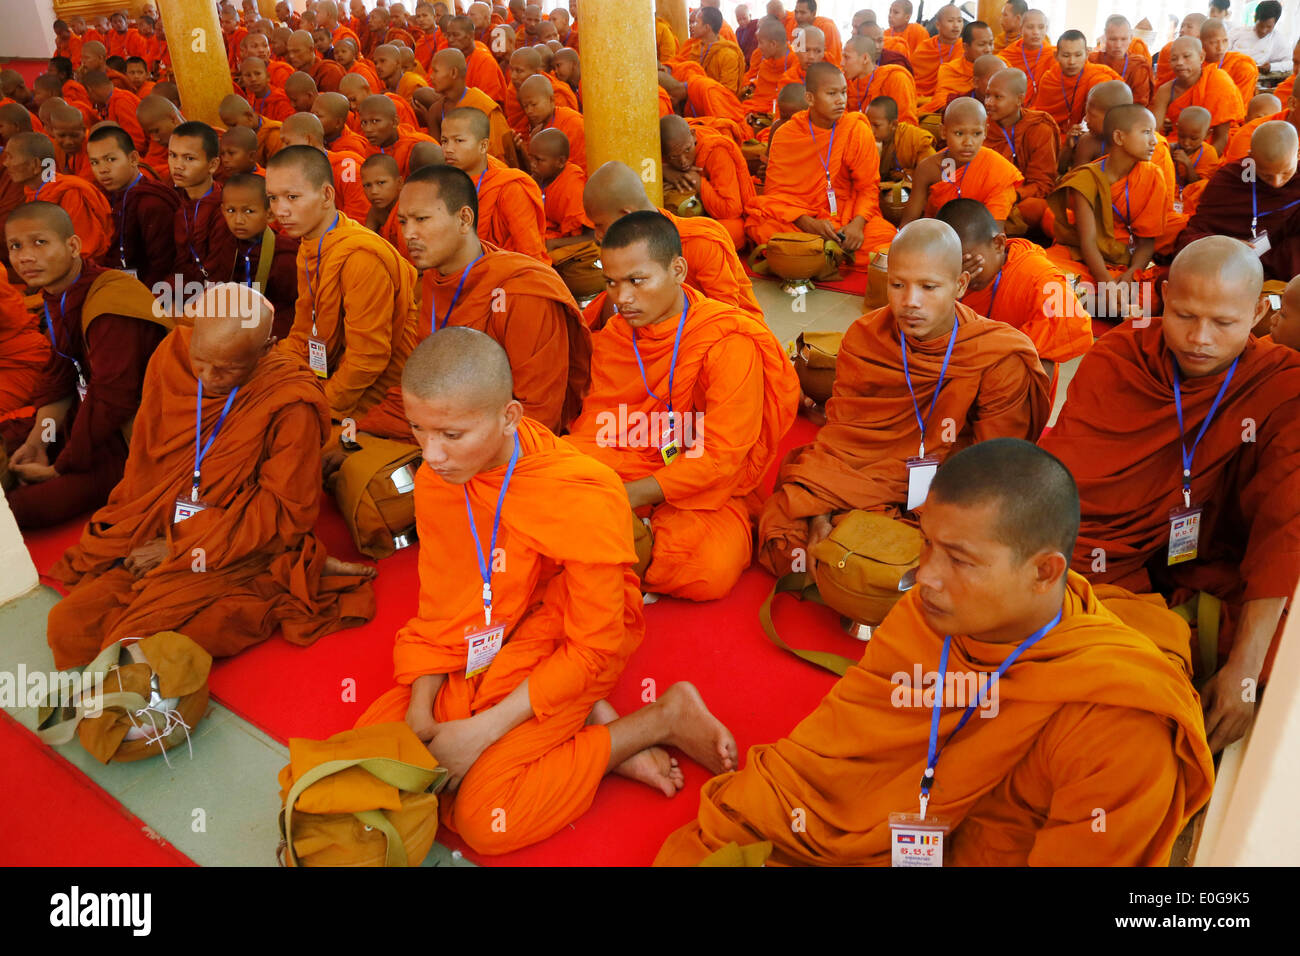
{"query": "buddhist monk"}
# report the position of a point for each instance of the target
(266, 100)
(767, 69)
(238, 152)
(1032, 53)
(913, 34)
(1241, 68)
(24, 355)
(1196, 371)
(994, 386)
(1194, 84)
(379, 125)
(1284, 326)
(481, 70)
(265, 260)
(205, 249)
(868, 79)
(448, 78)
(518, 301)
(332, 111)
(248, 509)
(537, 100)
(304, 129)
(1013, 281)
(67, 130)
(1133, 68)
(235, 111)
(1010, 21)
(356, 313)
(561, 184)
(1029, 139)
(930, 54)
(1085, 142)
(103, 326)
(956, 77)
(381, 181)
(1194, 158)
(902, 145)
(964, 168)
(722, 60)
(707, 164)
(1063, 89)
(713, 268)
(139, 203)
(1265, 181)
(809, 46)
(829, 190)
(519, 716)
(703, 362)
(1094, 713)
(301, 91)
(301, 54)
(511, 214)
(693, 94)
(29, 161)
(1261, 106)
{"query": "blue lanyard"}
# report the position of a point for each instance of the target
(907, 376)
(49, 328)
(190, 223)
(433, 306)
(248, 259)
(1180, 176)
(994, 297)
(1254, 207)
(1128, 208)
(121, 226)
(826, 163)
(672, 369)
(1069, 100)
(479, 185)
(1123, 73)
(201, 452)
(957, 179)
(1010, 138)
(444, 107)
(943, 57)
(934, 751)
(1182, 437)
(484, 566)
(867, 92)
(1029, 71)
(307, 268)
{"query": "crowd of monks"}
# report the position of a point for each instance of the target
(380, 239)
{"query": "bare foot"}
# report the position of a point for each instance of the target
(696, 731)
(812, 411)
(334, 567)
(654, 766)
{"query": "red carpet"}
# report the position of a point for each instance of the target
(759, 691)
(89, 828)
(853, 283)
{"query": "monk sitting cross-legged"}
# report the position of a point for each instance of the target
(562, 185)
(247, 505)
(1089, 712)
(707, 164)
(823, 174)
(1197, 84)
(1029, 139)
(890, 373)
(1182, 435)
(519, 302)
(356, 315)
(965, 168)
(692, 435)
(505, 673)
(712, 266)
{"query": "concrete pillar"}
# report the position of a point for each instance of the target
(674, 11)
(621, 89)
(198, 57)
(990, 11)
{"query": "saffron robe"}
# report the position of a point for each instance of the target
(510, 211)
(1215, 91)
(1066, 99)
(562, 203)
(92, 219)
(927, 56)
(885, 80)
(1134, 70)
(988, 179)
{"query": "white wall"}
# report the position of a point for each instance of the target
(17, 573)
(28, 30)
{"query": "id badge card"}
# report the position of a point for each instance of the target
(669, 446)
(1184, 534)
(916, 842)
(1260, 244)
(185, 508)
(1178, 206)
(316, 358)
(920, 472)
(830, 198)
(483, 647)
(82, 388)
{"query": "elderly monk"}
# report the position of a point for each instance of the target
(1133, 68)
(963, 168)
(448, 78)
(1094, 711)
(514, 705)
(1195, 379)
(537, 100)
(823, 174)
(1063, 89)
(991, 386)
(703, 162)
(301, 54)
(1027, 138)
(29, 162)
(562, 184)
(957, 76)
(1241, 69)
(930, 54)
(304, 129)
(481, 70)
(158, 116)
(205, 249)
(103, 326)
(722, 60)
(1032, 53)
(1266, 180)
(139, 203)
(1013, 281)
(869, 79)
(248, 507)
(712, 266)
(332, 110)
(701, 361)
(511, 213)
(1195, 84)
(67, 130)
(380, 127)
(356, 313)
(515, 299)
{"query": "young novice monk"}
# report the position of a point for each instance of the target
(265, 260)
(902, 145)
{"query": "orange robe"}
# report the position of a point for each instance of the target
(926, 59)
(995, 388)
(365, 69)
(885, 80)
(1243, 72)
(400, 149)
(1135, 206)
(539, 327)
(1066, 100)
(1031, 144)
(409, 83)
(726, 189)
(1096, 714)
(988, 178)
(765, 75)
(364, 295)
(268, 142)
(85, 204)
(1119, 436)
(563, 95)
(24, 354)
(955, 78)
(796, 182)
(120, 109)
(573, 613)
(1215, 91)
(705, 96)
(273, 104)
(906, 148)
(78, 164)
(913, 35)
(1284, 90)
(1032, 294)
(568, 122)
(501, 138)
(665, 103)
(348, 141)
(263, 564)
(483, 73)
(510, 212)
(665, 41)
(1134, 70)
(351, 197)
(722, 61)
(1204, 162)
(1239, 143)
(562, 203)
(730, 371)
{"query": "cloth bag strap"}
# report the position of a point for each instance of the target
(58, 725)
(801, 585)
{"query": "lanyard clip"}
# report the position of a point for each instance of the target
(925, 802)
(1254, 221)
(1187, 496)
(487, 605)
(921, 454)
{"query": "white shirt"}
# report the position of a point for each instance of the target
(1271, 50)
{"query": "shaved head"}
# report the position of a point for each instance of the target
(932, 239)
(1274, 142)
(425, 154)
(925, 279)
(460, 364)
(333, 105)
(674, 129)
(1112, 93)
(154, 107)
(1263, 104)
(964, 109)
(46, 214)
(240, 137)
(232, 332)
(553, 142)
(537, 85)
(35, 146)
(612, 192)
(1012, 82)
(380, 104)
(303, 127)
(820, 74)
(1231, 263)
(1212, 304)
